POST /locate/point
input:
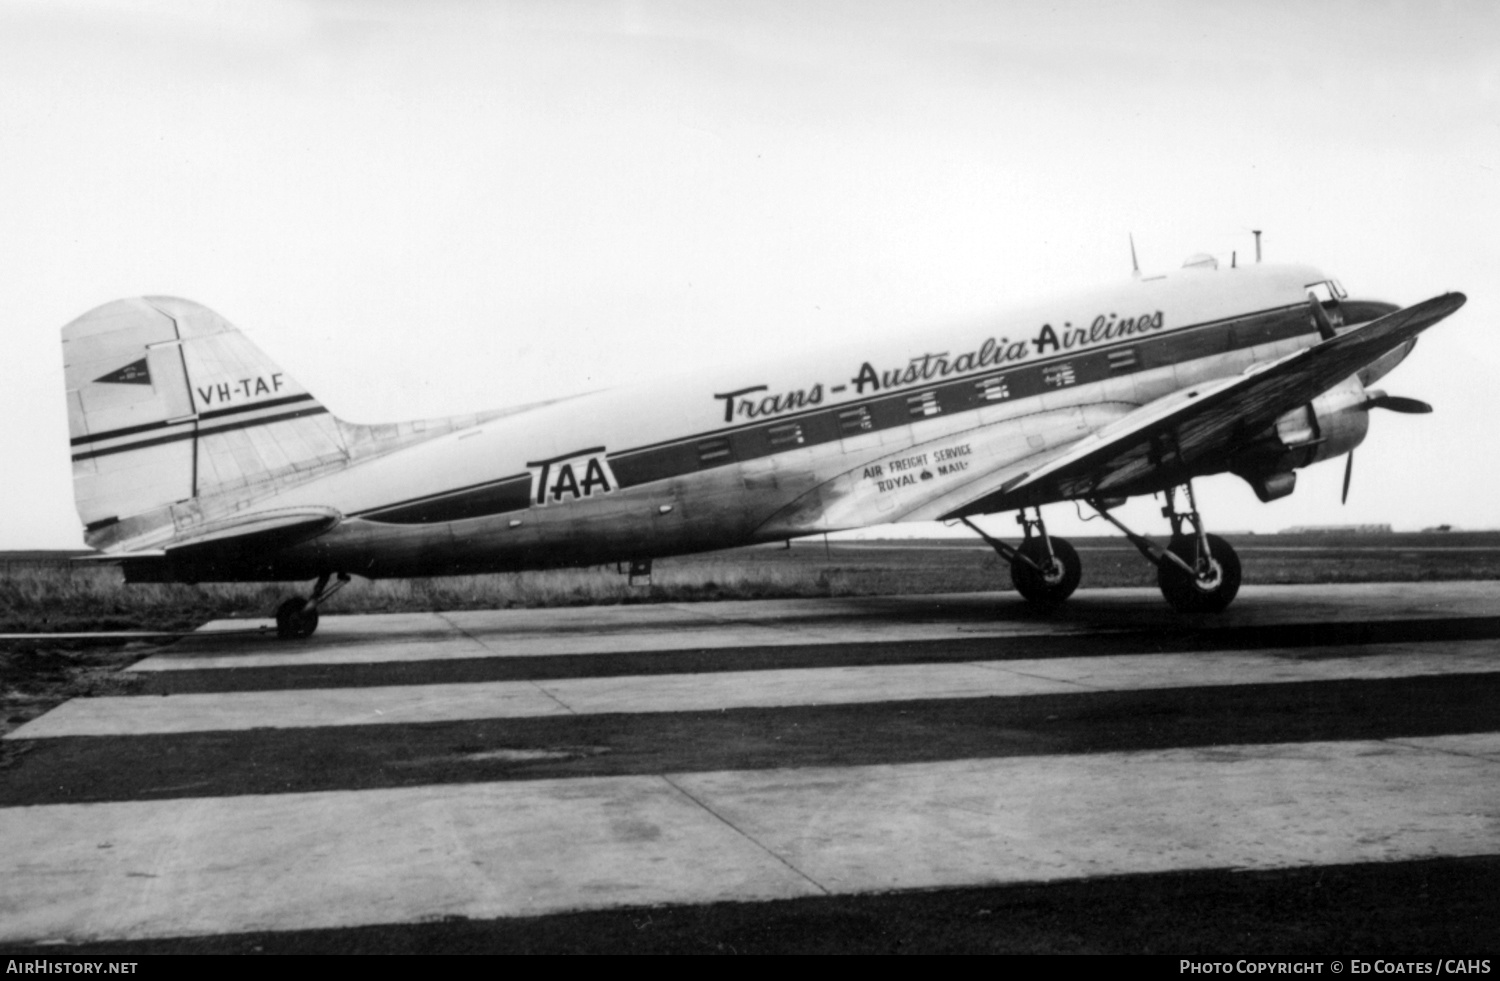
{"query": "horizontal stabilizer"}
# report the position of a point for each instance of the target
(105, 558)
(266, 530)
(245, 536)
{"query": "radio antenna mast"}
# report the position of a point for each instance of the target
(1135, 266)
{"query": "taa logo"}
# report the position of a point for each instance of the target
(570, 477)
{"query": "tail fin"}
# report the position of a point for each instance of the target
(168, 402)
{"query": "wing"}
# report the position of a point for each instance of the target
(1183, 432)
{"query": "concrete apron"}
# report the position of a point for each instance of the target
(338, 859)
(360, 639)
(710, 691)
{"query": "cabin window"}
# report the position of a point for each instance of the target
(787, 434)
(925, 404)
(856, 420)
(713, 451)
(1060, 375)
(993, 389)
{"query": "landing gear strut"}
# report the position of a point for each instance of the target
(1044, 569)
(1197, 572)
(298, 617)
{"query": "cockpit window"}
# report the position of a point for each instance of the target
(1327, 293)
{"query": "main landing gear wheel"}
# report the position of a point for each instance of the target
(1213, 585)
(1054, 577)
(1045, 570)
(294, 619)
(1191, 580)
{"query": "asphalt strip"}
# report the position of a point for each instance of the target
(84, 769)
(728, 690)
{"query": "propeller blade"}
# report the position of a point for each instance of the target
(1396, 403)
(1348, 472)
(1320, 319)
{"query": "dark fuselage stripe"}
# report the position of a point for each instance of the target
(1179, 344)
(887, 410)
(267, 404)
(200, 433)
(214, 414)
(482, 500)
(126, 431)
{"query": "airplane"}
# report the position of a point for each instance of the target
(197, 459)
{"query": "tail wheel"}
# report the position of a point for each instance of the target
(1055, 577)
(1214, 585)
(294, 620)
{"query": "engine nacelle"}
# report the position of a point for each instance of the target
(1330, 425)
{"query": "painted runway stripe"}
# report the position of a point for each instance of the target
(741, 689)
(82, 769)
(422, 668)
(209, 866)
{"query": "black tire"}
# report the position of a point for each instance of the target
(1054, 581)
(294, 620)
(1192, 594)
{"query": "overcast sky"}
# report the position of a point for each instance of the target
(428, 208)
